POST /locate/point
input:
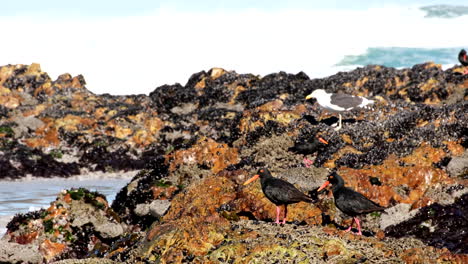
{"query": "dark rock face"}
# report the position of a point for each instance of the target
(108, 133)
(130, 196)
(438, 226)
(196, 144)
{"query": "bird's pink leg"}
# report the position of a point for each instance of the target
(285, 213)
(278, 210)
(308, 162)
(350, 226)
(358, 226)
(465, 71)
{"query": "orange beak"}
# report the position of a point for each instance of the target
(251, 179)
(322, 140)
(325, 184)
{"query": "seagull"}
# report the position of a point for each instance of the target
(334, 102)
(463, 60)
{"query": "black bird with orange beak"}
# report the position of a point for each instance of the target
(279, 192)
(309, 147)
(463, 60)
(349, 201)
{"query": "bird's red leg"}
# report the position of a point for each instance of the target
(358, 226)
(465, 71)
(285, 213)
(351, 226)
(278, 210)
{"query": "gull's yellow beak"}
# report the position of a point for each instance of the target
(251, 179)
(309, 97)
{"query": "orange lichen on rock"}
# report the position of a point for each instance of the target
(122, 132)
(10, 101)
(429, 85)
(346, 138)
(426, 254)
(54, 211)
(254, 201)
(37, 110)
(448, 257)
(237, 90)
(153, 125)
(414, 171)
(215, 73)
(425, 155)
(50, 250)
(431, 64)
(253, 119)
(26, 238)
(207, 152)
(202, 199)
(193, 224)
(83, 101)
(47, 136)
(67, 81)
(361, 82)
(454, 147)
(274, 105)
(163, 193)
(45, 88)
(5, 72)
(73, 123)
(333, 248)
(142, 138)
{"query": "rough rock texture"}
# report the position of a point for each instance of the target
(458, 166)
(18, 253)
(196, 144)
(74, 225)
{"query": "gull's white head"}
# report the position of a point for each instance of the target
(316, 93)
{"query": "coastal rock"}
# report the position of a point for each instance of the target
(156, 208)
(458, 166)
(24, 124)
(19, 253)
(78, 221)
(195, 145)
(437, 225)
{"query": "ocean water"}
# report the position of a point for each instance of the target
(168, 42)
(30, 194)
(399, 57)
(402, 35)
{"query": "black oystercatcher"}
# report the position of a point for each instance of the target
(335, 102)
(308, 148)
(279, 192)
(350, 202)
(463, 60)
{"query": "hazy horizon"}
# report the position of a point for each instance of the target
(123, 48)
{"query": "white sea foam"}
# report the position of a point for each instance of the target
(4, 219)
(124, 55)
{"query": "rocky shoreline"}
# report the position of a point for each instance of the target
(196, 144)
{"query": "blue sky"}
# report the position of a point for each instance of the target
(138, 7)
(126, 47)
